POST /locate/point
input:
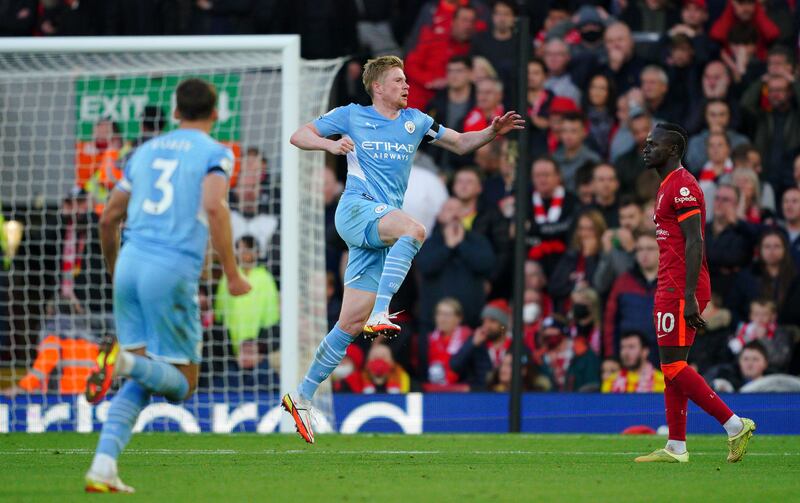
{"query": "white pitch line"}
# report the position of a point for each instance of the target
(230, 452)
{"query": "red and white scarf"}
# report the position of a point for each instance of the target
(748, 332)
(708, 173)
(643, 385)
(71, 258)
(553, 213)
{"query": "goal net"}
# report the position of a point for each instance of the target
(71, 112)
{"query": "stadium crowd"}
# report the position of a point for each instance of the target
(603, 73)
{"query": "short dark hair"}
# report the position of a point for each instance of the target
(756, 346)
(629, 200)
(153, 118)
(573, 117)
(196, 99)
(549, 160)
(583, 176)
(782, 50)
(255, 152)
(469, 169)
(508, 3)
(249, 241)
(464, 7)
(635, 333)
(679, 131)
(538, 61)
(740, 152)
(464, 60)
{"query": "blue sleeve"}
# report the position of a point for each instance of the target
(221, 160)
(337, 121)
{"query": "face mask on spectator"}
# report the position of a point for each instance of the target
(530, 312)
(591, 35)
(580, 311)
(343, 370)
(553, 340)
(379, 368)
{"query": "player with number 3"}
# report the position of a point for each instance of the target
(173, 194)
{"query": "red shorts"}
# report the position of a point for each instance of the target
(671, 328)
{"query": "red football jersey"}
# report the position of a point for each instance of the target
(678, 191)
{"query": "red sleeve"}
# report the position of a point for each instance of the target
(417, 65)
(684, 194)
(721, 27)
(767, 29)
(610, 319)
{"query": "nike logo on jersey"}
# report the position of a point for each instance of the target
(369, 124)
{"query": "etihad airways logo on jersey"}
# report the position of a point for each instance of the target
(388, 150)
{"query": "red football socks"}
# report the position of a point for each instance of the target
(695, 387)
(676, 404)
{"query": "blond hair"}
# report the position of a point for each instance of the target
(375, 68)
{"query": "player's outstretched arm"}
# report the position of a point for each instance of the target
(215, 204)
(692, 233)
(464, 143)
(308, 138)
(113, 215)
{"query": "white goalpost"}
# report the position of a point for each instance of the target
(71, 111)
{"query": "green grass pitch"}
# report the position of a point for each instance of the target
(385, 468)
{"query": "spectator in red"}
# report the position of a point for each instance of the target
(746, 12)
(436, 17)
(346, 378)
(426, 63)
(569, 363)
(381, 374)
(741, 55)
(762, 326)
(554, 211)
(484, 351)
(559, 107)
(488, 104)
(577, 266)
(556, 25)
(445, 341)
(791, 221)
(599, 102)
(630, 304)
(750, 209)
(573, 152)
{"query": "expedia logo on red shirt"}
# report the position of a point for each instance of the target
(686, 199)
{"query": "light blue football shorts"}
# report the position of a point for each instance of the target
(156, 308)
(357, 219)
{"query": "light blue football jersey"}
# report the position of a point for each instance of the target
(165, 177)
(384, 148)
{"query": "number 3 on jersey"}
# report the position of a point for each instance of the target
(665, 322)
(167, 168)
